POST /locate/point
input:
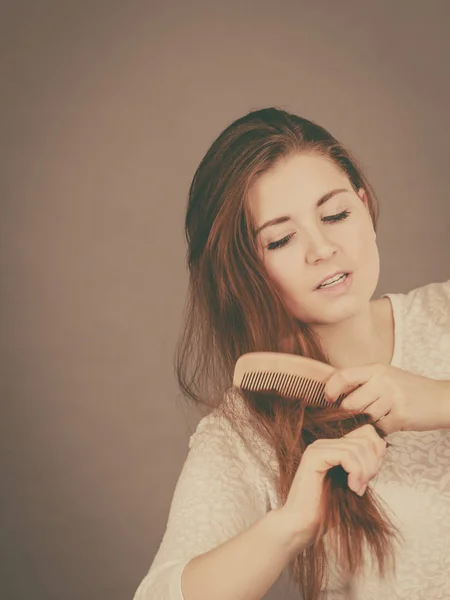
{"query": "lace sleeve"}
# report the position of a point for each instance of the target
(218, 494)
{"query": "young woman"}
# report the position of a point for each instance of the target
(283, 257)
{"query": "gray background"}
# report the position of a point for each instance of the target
(107, 109)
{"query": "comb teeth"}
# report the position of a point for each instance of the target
(289, 386)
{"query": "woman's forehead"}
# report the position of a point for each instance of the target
(301, 179)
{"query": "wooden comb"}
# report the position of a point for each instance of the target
(288, 375)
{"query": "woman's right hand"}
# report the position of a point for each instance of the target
(360, 453)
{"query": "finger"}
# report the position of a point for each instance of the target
(356, 456)
(387, 423)
(355, 463)
(368, 431)
(322, 455)
(344, 381)
(379, 409)
(365, 448)
(368, 456)
(366, 401)
(361, 398)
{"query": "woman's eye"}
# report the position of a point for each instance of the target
(280, 243)
(339, 217)
(330, 219)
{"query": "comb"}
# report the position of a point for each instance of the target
(288, 375)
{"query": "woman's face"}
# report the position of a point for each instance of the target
(313, 225)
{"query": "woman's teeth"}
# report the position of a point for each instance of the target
(334, 280)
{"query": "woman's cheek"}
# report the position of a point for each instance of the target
(284, 271)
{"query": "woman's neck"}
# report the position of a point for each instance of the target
(365, 338)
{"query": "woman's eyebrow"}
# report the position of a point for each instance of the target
(285, 218)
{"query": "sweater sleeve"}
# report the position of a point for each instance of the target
(219, 493)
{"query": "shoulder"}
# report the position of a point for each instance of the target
(422, 329)
(229, 433)
(427, 303)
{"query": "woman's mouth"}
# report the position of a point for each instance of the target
(336, 282)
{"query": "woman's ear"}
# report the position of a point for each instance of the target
(362, 194)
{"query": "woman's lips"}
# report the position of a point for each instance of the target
(337, 288)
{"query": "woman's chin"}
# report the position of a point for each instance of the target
(332, 315)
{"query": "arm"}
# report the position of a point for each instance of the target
(442, 414)
(246, 566)
(219, 542)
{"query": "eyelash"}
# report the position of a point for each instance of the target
(331, 219)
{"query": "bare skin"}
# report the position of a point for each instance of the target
(314, 242)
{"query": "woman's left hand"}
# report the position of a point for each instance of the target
(397, 399)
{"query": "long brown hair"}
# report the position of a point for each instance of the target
(233, 308)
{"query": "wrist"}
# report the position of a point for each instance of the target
(442, 404)
(288, 533)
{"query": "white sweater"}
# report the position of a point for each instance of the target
(223, 488)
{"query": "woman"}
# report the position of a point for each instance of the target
(282, 257)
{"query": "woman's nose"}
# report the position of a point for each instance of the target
(319, 247)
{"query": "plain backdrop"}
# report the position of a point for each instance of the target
(106, 110)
